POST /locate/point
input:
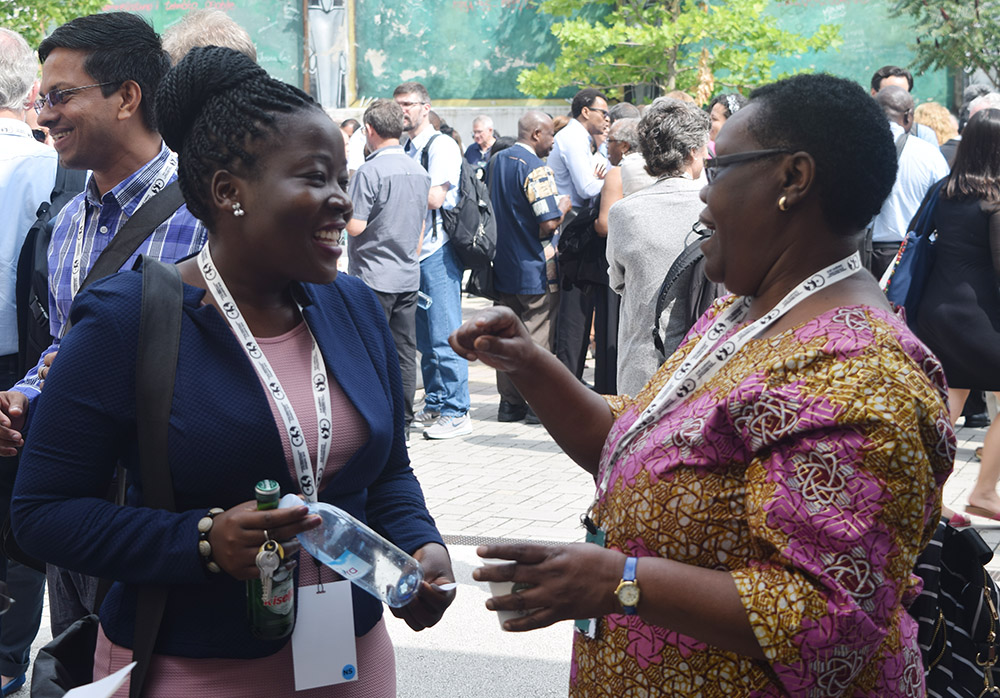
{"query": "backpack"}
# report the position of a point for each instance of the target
(471, 226)
(32, 285)
(694, 299)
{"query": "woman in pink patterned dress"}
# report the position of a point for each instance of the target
(763, 499)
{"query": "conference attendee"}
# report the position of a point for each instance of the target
(99, 79)
(920, 166)
(528, 212)
(944, 124)
(263, 166)
(959, 314)
(27, 176)
(648, 229)
(389, 192)
(206, 27)
(445, 414)
(721, 108)
(793, 413)
(892, 75)
(483, 138)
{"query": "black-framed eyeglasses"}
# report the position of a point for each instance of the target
(604, 112)
(5, 600)
(55, 97)
(714, 165)
(407, 105)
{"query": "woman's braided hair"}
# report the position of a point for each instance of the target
(210, 106)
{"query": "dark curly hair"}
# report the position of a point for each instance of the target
(211, 107)
(845, 132)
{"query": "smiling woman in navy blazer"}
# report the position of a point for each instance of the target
(264, 167)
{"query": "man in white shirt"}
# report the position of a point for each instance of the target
(920, 166)
(439, 312)
(27, 175)
(573, 167)
(889, 75)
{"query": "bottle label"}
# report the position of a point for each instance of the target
(350, 566)
(282, 597)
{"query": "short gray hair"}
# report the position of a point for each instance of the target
(207, 27)
(18, 70)
(990, 100)
(668, 131)
(482, 120)
(627, 131)
(623, 110)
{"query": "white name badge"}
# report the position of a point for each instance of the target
(324, 650)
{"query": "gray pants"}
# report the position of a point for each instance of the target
(537, 312)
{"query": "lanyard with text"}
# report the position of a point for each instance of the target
(163, 177)
(303, 466)
(711, 354)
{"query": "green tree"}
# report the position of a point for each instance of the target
(668, 45)
(956, 34)
(34, 19)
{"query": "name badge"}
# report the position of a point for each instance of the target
(324, 651)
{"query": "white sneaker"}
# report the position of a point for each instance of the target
(426, 417)
(448, 427)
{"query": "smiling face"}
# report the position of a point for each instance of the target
(740, 208)
(295, 199)
(82, 127)
(717, 118)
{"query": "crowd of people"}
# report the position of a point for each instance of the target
(761, 496)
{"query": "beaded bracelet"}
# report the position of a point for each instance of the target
(204, 547)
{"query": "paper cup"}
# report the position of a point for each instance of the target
(505, 588)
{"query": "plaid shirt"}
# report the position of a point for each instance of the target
(179, 236)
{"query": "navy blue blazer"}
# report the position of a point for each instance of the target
(222, 440)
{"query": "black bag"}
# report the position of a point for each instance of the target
(687, 270)
(68, 660)
(957, 615)
(583, 259)
(471, 227)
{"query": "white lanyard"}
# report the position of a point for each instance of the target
(167, 171)
(709, 355)
(300, 452)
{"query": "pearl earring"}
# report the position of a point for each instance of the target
(238, 210)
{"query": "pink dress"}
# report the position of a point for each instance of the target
(267, 677)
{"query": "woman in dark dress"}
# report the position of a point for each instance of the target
(959, 317)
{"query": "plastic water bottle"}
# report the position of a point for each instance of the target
(359, 554)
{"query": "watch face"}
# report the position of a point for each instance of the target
(628, 595)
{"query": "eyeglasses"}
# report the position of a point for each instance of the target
(714, 165)
(55, 97)
(603, 111)
(407, 105)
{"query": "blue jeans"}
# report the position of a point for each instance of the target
(446, 374)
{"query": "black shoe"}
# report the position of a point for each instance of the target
(509, 412)
(530, 417)
(977, 420)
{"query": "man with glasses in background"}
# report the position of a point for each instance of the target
(99, 79)
(439, 311)
(576, 176)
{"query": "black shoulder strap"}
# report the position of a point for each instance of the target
(425, 153)
(136, 229)
(156, 368)
(688, 257)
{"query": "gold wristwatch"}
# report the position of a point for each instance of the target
(628, 589)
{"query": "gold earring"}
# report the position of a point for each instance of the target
(783, 204)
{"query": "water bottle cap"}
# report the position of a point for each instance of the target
(268, 489)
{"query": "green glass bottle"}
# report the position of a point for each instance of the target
(275, 617)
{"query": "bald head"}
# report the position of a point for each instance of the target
(535, 129)
(897, 104)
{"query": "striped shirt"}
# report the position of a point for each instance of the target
(179, 236)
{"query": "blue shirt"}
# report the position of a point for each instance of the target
(572, 164)
(524, 194)
(27, 174)
(177, 237)
(476, 157)
(920, 166)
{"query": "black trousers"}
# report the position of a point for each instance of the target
(882, 255)
(401, 314)
(573, 321)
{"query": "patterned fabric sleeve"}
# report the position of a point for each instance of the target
(841, 496)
